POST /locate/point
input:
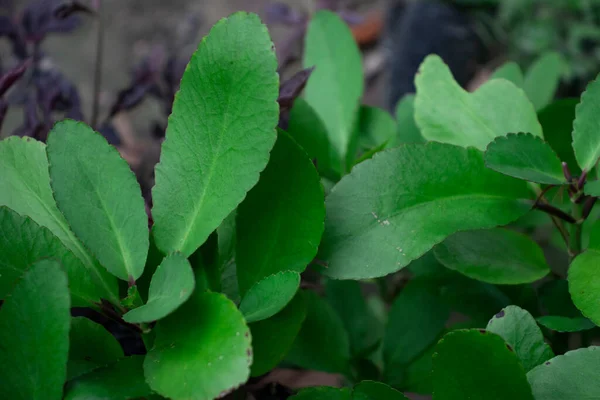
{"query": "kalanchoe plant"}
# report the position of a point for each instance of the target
(428, 238)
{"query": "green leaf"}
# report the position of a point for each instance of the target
(323, 393)
(592, 188)
(268, 296)
(172, 284)
(99, 195)
(542, 79)
(395, 207)
(280, 223)
(499, 256)
(511, 72)
(477, 364)
(23, 242)
(584, 284)
(586, 141)
(122, 380)
(526, 157)
(565, 324)
(407, 131)
(90, 346)
(25, 188)
(336, 85)
(446, 113)
(322, 329)
(370, 390)
(34, 335)
(219, 134)
(557, 122)
(307, 129)
(572, 376)
(201, 357)
(364, 330)
(273, 337)
(518, 328)
(376, 127)
(417, 318)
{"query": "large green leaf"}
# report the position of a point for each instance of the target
(34, 335)
(219, 134)
(447, 113)
(572, 376)
(90, 346)
(477, 364)
(525, 156)
(201, 351)
(25, 188)
(268, 296)
(542, 79)
(121, 380)
(23, 242)
(370, 390)
(172, 284)
(565, 324)
(416, 320)
(322, 329)
(518, 328)
(586, 141)
(584, 284)
(407, 130)
(323, 393)
(557, 123)
(280, 223)
(511, 72)
(336, 85)
(364, 330)
(499, 256)
(99, 195)
(273, 337)
(395, 207)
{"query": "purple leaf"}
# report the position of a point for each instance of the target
(9, 29)
(10, 77)
(3, 109)
(290, 89)
(110, 133)
(38, 20)
(281, 13)
(129, 98)
(71, 7)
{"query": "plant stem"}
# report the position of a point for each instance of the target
(575, 232)
(98, 70)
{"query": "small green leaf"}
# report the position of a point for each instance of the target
(200, 357)
(542, 79)
(307, 129)
(99, 195)
(121, 380)
(90, 346)
(586, 141)
(219, 134)
(557, 123)
(23, 242)
(499, 256)
(511, 72)
(526, 157)
(34, 335)
(592, 188)
(336, 85)
(25, 188)
(572, 376)
(268, 296)
(133, 298)
(376, 127)
(393, 208)
(584, 284)
(323, 393)
(407, 130)
(280, 223)
(447, 113)
(565, 324)
(417, 318)
(172, 284)
(477, 364)
(518, 328)
(364, 330)
(273, 337)
(322, 329)
(370, 390)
